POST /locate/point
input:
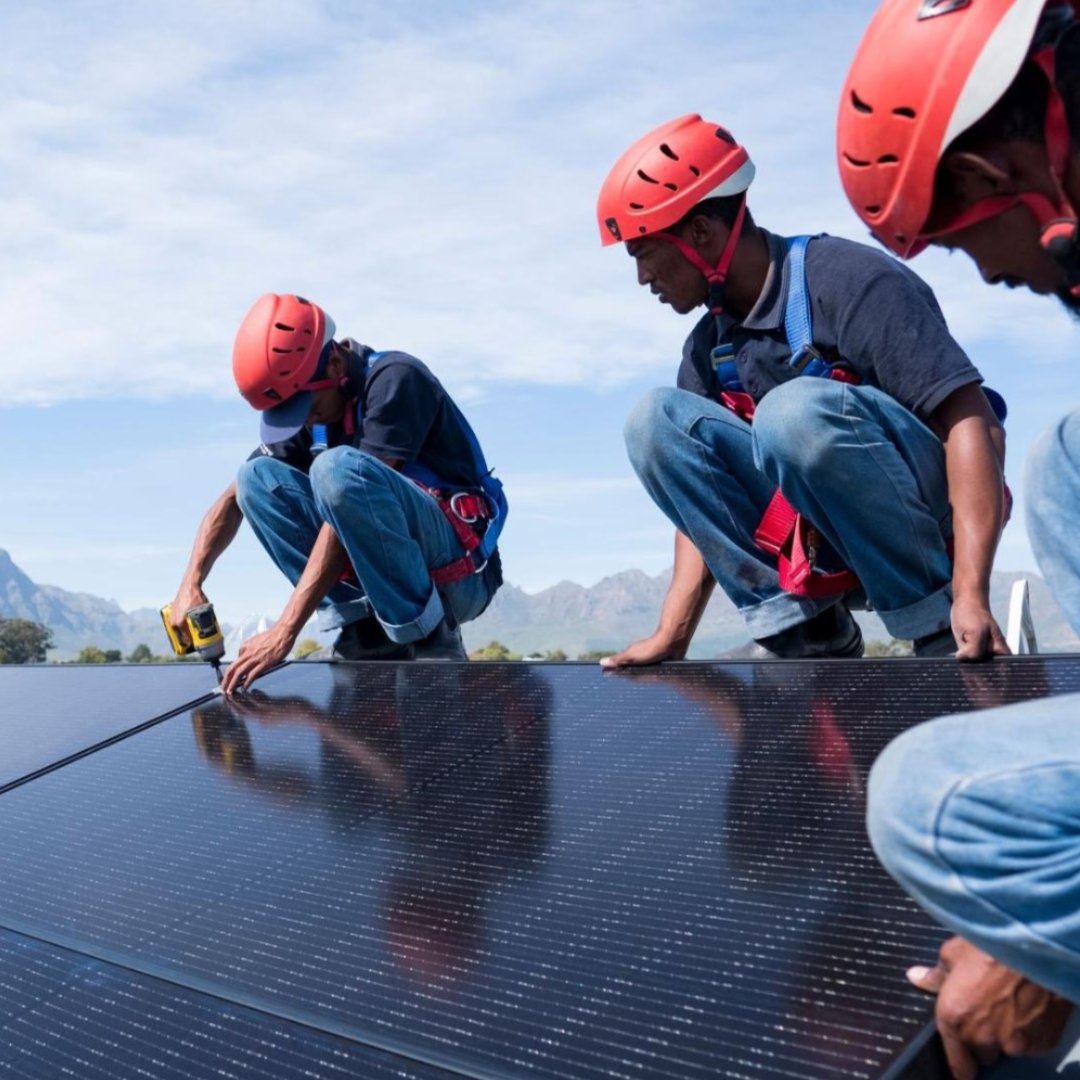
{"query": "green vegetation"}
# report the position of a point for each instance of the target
(305, 647)
(596, 654)
(892, 647)
(494, 650)
(23, 641)
(141, 654)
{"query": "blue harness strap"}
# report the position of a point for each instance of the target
(798, 327)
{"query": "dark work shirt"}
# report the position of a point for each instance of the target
(871, 314)
(403, 413)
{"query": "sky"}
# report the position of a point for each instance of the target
(427, 172)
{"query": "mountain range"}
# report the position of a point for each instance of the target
(575, 618)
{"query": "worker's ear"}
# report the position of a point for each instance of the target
(975, 177)
(335, 366)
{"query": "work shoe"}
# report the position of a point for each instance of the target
(364, 639)
(941, 643)
(829, 635)
(443, 643)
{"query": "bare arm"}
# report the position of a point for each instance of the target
(691, 586)
(325, 565)
(216, 532)
(974, 455)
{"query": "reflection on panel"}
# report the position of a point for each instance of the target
(516, 870)
(62, 1015)
(49, 712)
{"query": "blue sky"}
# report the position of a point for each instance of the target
(428, 173)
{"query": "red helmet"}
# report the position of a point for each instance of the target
(666, 173)
(926, 71)
(277, 348)
(663, 176)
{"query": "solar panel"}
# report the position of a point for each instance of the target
(65, 1016)
(49, 712)
(515, 870)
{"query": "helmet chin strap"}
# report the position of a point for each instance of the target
(715, 276)
(1058, 228)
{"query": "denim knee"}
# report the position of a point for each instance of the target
(333, 471)
(908, 786)
(646, 429)
(794, 425)
(256, 477)
(1053, 466)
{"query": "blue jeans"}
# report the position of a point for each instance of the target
(392, 530)
(978, 817)
(1052, 490)
(865, 470)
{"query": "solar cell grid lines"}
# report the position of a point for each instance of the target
(65, 1016)
(513, 870)
(48, 713)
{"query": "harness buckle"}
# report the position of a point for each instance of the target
(455, 505)
(808, 361)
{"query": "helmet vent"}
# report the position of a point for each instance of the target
(672, 187)
(637, 206)
(887, 159)
(695, 170)
(668, 152)
(873, 211)
(856, 162)
(860, 105)
(722, 133)
(282, 326)
(906, 112)
(646, 177)
(284, 351)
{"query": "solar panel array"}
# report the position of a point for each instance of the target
(510, 871)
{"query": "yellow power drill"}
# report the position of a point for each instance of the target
(204, 632)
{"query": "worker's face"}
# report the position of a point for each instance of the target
(1007, 251)
(671, 277)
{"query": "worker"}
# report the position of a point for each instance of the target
(877, 481)
(390, 531)
(958, 128)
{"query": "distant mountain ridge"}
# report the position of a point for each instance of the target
(575, 618)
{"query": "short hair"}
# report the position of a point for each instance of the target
(724, 208)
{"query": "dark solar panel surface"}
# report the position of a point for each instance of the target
(64, 1015)
(48, 713)
(512, 870)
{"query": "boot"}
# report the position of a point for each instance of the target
(831, 634)
(443, 643)
(364, 639)
(940, 643)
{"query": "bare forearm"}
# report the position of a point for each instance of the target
(216, 532)
(325, 566)
(691, 586)
(975, 492)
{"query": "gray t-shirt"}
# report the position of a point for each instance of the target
(871, 314)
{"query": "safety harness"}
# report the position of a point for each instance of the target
(783, 531)
(476, 513)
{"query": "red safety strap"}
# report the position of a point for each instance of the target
(785, 533)
(463, 510)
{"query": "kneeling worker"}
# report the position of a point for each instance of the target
(388, 525)
(794, 491)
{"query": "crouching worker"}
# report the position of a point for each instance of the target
(369, 492)
(827, 439)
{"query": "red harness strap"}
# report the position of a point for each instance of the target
(785, 533)
(464, 510)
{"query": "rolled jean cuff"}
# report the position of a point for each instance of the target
(781, 613)
(419, 627)
(335, 616)
(926, 616)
